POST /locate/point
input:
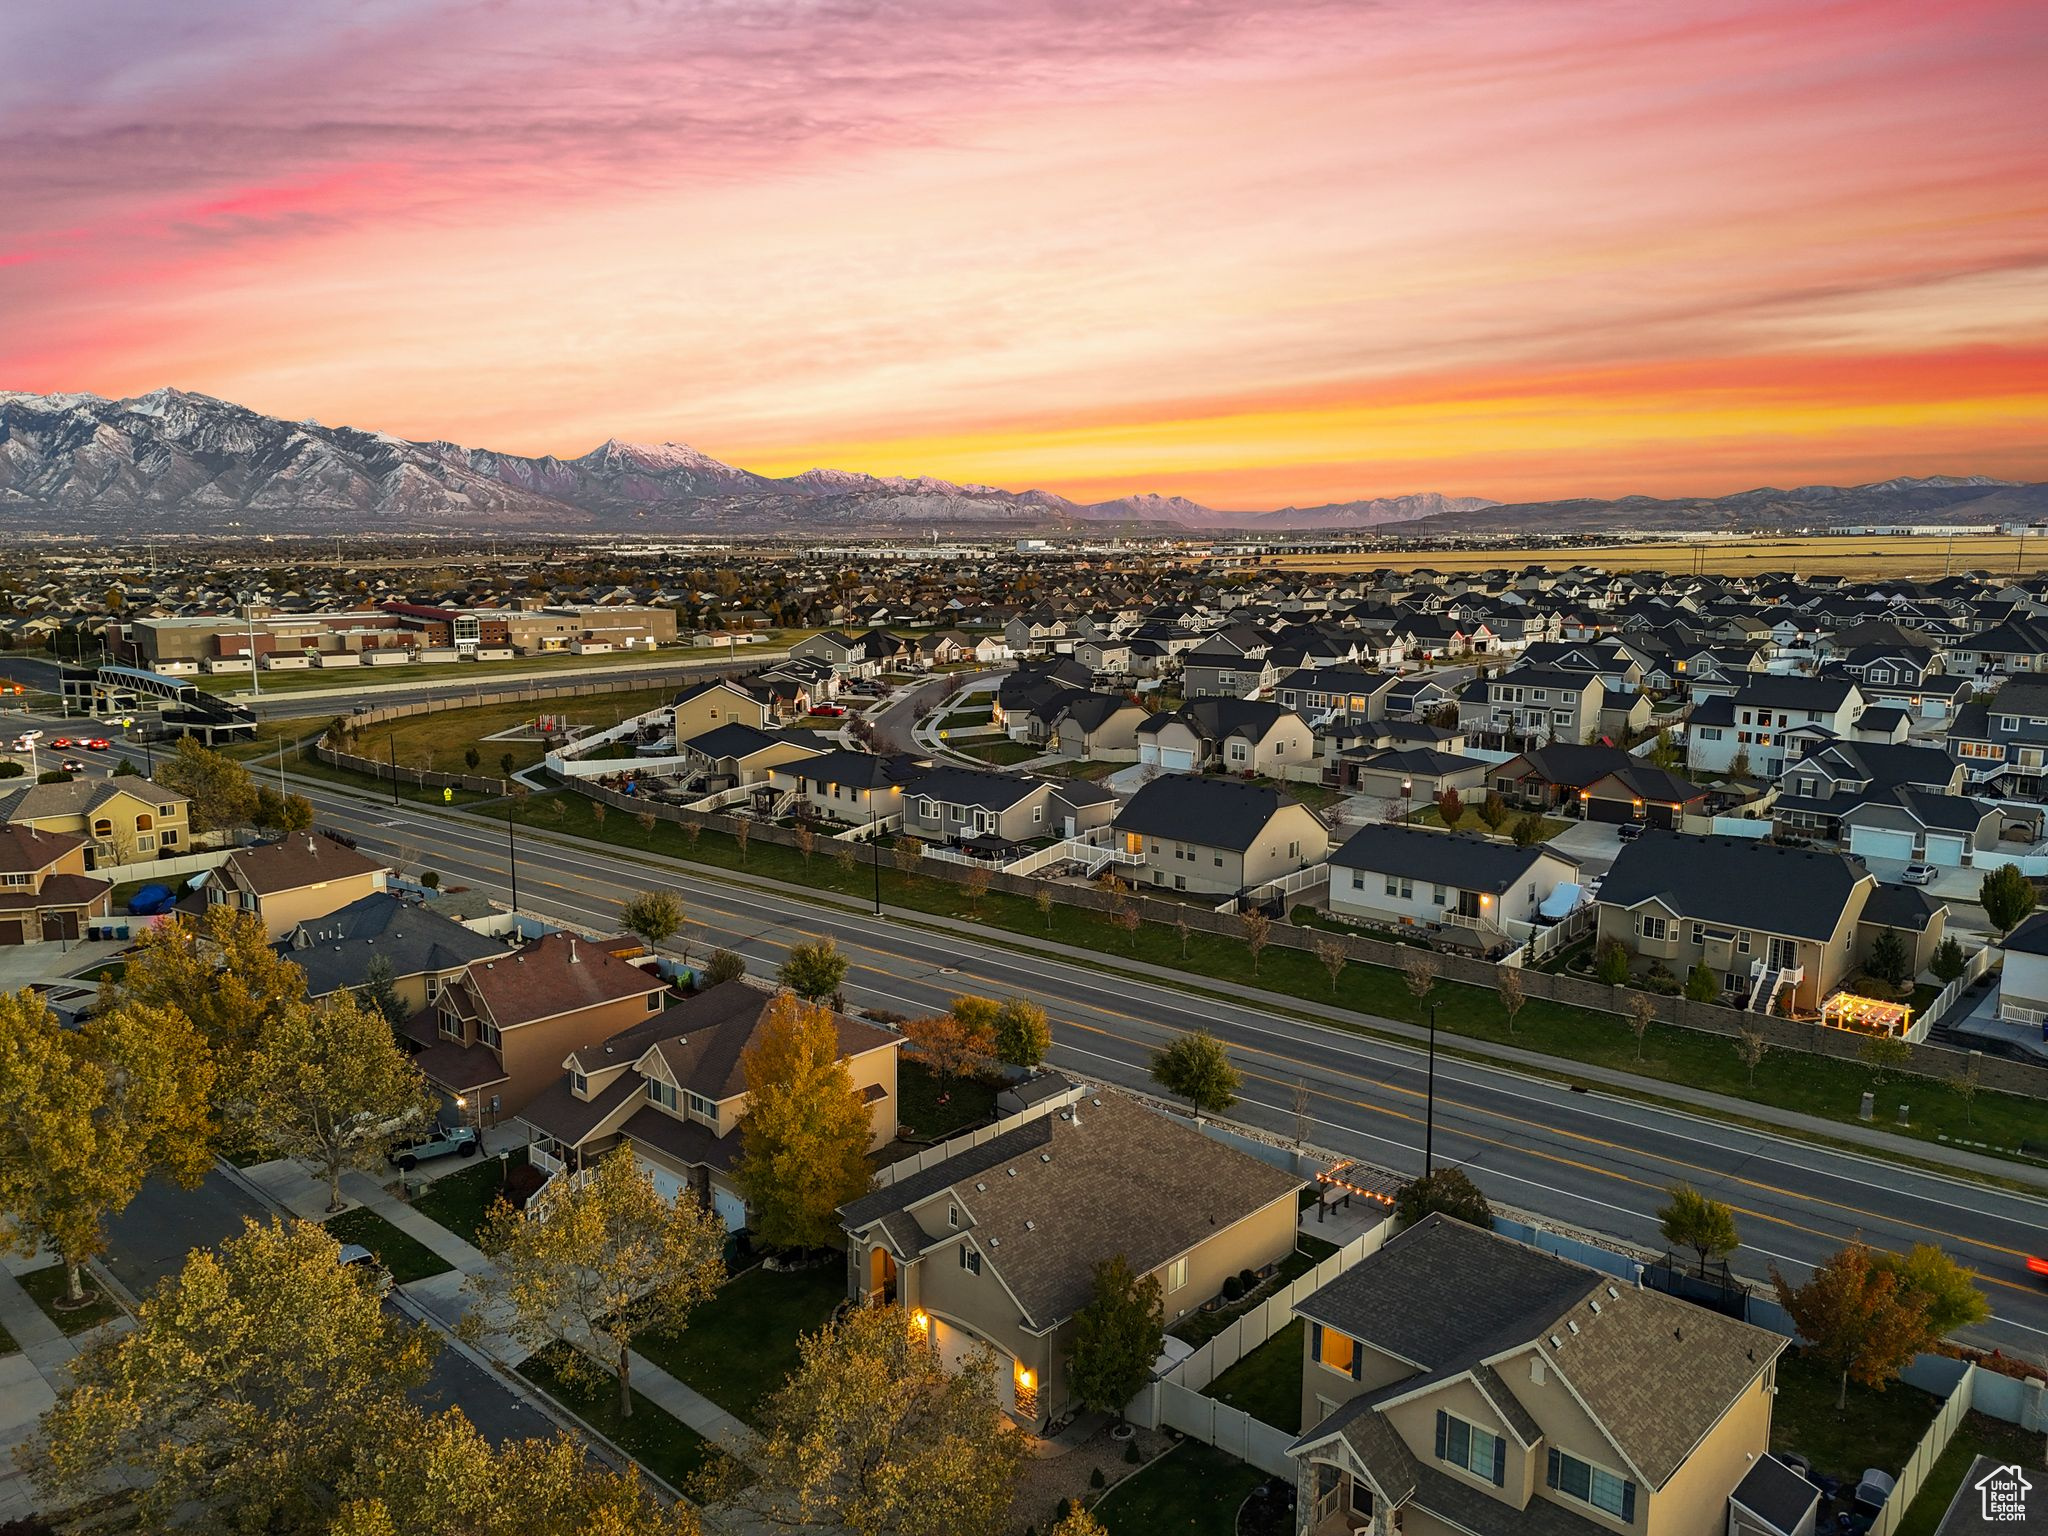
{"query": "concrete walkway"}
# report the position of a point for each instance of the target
(31, 1379)
(448, 1300)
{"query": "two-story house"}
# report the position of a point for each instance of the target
(125, 819)
(1750, 725)
(1098, 726)
(1828, 782)
(1458, 1381)
(997, 1245)
(987, 808)
(1229, 735)
(845, 788)
(1544, 703)
(705, 706)
(2002, 739)
(45, 892)
(1774, 924)
(1335, 696)
(421, 950)
(1217, 836)
(848, 655)
(673, 1089)
(301, 876)
(497, 1034)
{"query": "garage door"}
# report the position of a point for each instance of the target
(1177, 759)
(1148, 752)
(10, 933)
(955, 1344)
(1945, 851)
(666, 1184)
(1610, 810)
(732, 1210)
(1880, 843)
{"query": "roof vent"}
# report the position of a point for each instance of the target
(1574, 1327)
(1096, 1102)
(1011, 1172)
(1556, 1342)
(1030, 1226)
(1045, 1157)
(980, 1187)
(1594, 1304)
(995, 1242)
(1613, 1294)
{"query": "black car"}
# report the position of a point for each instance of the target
(1629, 831)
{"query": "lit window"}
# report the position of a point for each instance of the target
(1177, 1275)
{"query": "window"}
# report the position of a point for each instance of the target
(1176, 1275)
(451, 1026)
(144, 822)
(166, 810)
(1437, 894)
(970, 1260)
(1336, 1352)
(1471, 1449)
(578, 1083)
(661, 1093)
(487, 1033)
(953, 1216)
(1653, 927)
(706, 1109)
(1592, 1485)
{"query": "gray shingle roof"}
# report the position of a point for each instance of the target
(1735, 882)
(1461, 859)
(1216, 813)
(337, 950)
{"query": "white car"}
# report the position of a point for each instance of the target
(1919, 874)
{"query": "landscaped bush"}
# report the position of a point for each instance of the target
(1660, 980)
(1233, 1288)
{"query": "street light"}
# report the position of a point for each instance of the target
(1429, 1113)
(512, 852)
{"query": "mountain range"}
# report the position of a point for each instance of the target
(173, 461)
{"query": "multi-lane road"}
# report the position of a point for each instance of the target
(1595, 1162)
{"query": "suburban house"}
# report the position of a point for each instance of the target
(996, 1246)
(1100, 726)
(1554, 777)
(2023, 979)
(1218, 836)
(45, 892)
(2014, 647)
(1775, 924)
(703, 706)
(1643, 794)
(497, 1034)
(734, 755)
(848, 655)
(1459, 1381)
(845, 788)
(1404, 876)
(988, 809)
(1750, 725)
(125, 820)
(301, 876)
(423, 950)
(1547, 704)
(1418, 773)
(1886, 802)
(1233, 735)
(1335, 695)
(673, 1090)
(2002, 740)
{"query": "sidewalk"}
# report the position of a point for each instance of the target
(445, 1298)
(29, 1380)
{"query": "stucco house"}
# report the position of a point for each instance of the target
(1217, 835)
(423, 950)
(124, 819)
(301, 876)
(673, 1089)
(45, 892)
(1458, 1381)
(1410, 876)
(997, 1245)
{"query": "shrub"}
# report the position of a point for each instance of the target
(1233, 1288)
(1610, 963)
(1660, 980)
(11, 770)
(431, 879)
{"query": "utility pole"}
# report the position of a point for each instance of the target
(255, 673)
(1429, 1117)
(512, 852)
(392, 742)
(875, 847)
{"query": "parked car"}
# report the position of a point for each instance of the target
(1918, 874)
(832, 710)
(358, 1260)
(1629, 831)
(440, 1141)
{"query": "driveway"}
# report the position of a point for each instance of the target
(1594, 844)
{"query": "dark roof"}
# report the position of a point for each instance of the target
(1777, 1495)
(988, 788)
(1568, 763)
(1654, 784)
(856, 770)
(2030, 938)
(735, 739)
(1461, 859)
(1901, 906)
(337, 950)
(1216, 813)
(1419, 762)
(1771, 690)
(295, 860)
(1735, 882)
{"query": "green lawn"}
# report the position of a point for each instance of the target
(740, 1345)
(1080, 768)
(404, 1255)
(460, 1201)
(969, 1102)
(45, 1286)
(1430, 816)
(662, 1444)
(1193, 1490)
(1267, 1382)
(1878, 1429)
(1816, 1085)
(1001, 753)
(1978, 1435)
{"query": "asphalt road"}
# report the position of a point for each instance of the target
(1595, 1162)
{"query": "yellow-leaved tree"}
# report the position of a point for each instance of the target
(87, 1114)
(804, 1137)
(593, 1261)
(251, 1383)
(220, 971)
(873, 1433)
(330, 1087)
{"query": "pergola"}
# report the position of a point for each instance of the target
(1865, 1015)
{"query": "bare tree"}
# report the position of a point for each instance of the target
(1332, 953)
(845, 853)
(1301, 1107)
(1420, 970)
(1182, 928)
(806, 841)
(1507, 982)
(598, 810)
(1642, 1010)
(1258, 933)
(692, 830)
(648, 822)
(1751, 1045)
(1966, 1085)
(975, 883)
(1127, 918)
(742, 831)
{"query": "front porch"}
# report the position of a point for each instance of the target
(1339, 1500)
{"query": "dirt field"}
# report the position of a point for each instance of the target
(1846, 556)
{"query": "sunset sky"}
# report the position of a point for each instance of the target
(1253, 254)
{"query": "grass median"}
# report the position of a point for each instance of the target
(1825, 1087)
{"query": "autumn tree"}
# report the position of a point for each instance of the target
(742, 831)
(1947, 1290)
(331, 1088)
(1884, 1055)
(251, 1383)
(955, 1044)
(1332, 954)
(1448, 1191)
(1023, 1035)
(806, 842)
(1130, 920)
(909, 854)
(1043, 900)
(1857, 1318)
(221, 972)
(1509, 987)
(597, 1262)
(1078, 1521)
(2007, 896)
(1182, 930)
(87, 1114)
(874, 1434)
(1197, 1067)
(1689, 1219)
(436, 1476)
(1493, 811)
(975, 883)
(1642, 1012)
(804, 1137)
(814, 971)
(654, 917)
(845, 855)
(1257, 929)
(221, 790)
(1117, 1337)
(1420, 969)
(1752, 1045)
(723, 966)
(1450, 805)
